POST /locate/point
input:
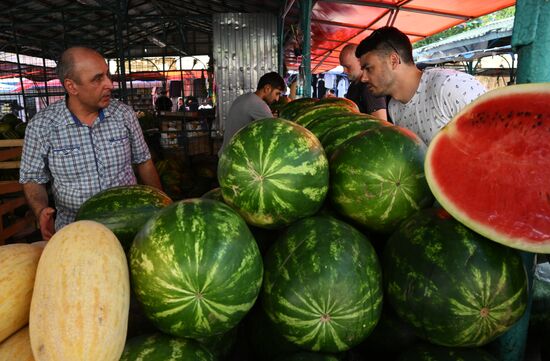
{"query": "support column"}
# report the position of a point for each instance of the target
(531, 40)
(305, 22)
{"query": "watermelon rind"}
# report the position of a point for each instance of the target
(504, 180)
(159, 347)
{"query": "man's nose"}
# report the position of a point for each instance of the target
(364, 77)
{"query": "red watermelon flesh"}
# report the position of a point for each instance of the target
(490, 166)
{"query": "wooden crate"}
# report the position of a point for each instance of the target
(11, 192)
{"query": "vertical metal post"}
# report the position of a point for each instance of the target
(280, 45)
(182, 84)
(47, 95)
(15, 40)
(531, 39)
(305, 22)
(120, 23)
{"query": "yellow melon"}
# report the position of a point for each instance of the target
(17, 347)
(17, 270)
(79, 309)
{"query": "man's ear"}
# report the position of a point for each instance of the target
(395, 60)
(70, 86)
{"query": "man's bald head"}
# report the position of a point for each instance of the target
(350, 63)
(67, 64)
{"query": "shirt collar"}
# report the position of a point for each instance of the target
(70, 118)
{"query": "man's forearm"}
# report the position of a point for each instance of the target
(148, 174)
(37, 197)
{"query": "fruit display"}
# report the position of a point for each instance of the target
(490, 166)
(315, 237)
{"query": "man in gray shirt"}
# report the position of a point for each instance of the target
(253, 106)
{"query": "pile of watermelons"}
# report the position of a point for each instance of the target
(12, 127)
(322, 243)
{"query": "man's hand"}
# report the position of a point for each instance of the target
(46, 223)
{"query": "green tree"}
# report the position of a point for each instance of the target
(467, 25)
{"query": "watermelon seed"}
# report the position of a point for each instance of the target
(325, 318)
(484, 312)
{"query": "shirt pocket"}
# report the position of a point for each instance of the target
(67, 163)
(117, 153)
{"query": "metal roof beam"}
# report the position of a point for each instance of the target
(400, 8)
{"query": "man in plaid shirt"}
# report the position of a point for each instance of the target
(83, 144)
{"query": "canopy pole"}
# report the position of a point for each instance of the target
(305, 22)
(531, 39)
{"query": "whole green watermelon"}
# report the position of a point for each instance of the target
(319, 127)
(340, 133)
(124, 209)
(377, 178)
(289, 110)
(160, 347)
(455, 287)
(308, 115)
(437, 353)
(196, 268)
(215, 194)
(323, 286)
(273, 172)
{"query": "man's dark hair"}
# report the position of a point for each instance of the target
(273, 79)
(387, 39)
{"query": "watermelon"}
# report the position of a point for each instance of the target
(273, 172)
(426, 352)
(319, 127)
(455, 287)
(124, 209)
(196, 268)
(336, 136)
(377, 178)
(158, 347)
(308, 115)
(490, 166)
(215, 194)
(339, 101)
(290, 110)
(308, 356)
(322, 287)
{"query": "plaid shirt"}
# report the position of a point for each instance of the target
(80, 160)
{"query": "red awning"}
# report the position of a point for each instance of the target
(335, 23)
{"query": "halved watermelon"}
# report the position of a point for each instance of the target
(490, 166)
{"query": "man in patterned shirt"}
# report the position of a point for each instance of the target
(423, 101)
(83, 144)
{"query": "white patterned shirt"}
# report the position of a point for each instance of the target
(441, 94)
(80, 160)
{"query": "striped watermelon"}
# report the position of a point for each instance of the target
(289, 110)
(437, 353)
(124, 209)
(309, 356)
(453, 286)
(344, 102)
(309, 115)
(377, 178)
(160, 347)
(319, 127)
(273, 172)
(196, 268)
(323, 287)
(215, 194)
(336, 136)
